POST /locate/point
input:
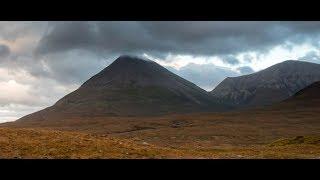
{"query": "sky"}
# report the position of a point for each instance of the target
(40, 62)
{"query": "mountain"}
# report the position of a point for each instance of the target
(307, 98)
(131, 86)
(268, 86)
(206, 76)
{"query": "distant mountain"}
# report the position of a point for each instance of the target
(268, 86)
(308, 97)
(132, 86)
(206, 76)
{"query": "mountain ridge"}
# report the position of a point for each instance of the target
(268, 86)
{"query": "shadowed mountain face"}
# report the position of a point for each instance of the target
(310, 92)
(268, 86)
(308, 97)
(132, 86)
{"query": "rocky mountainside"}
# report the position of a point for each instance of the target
(132, 86)
(308, 97)
(268, 86)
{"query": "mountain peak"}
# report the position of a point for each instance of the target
(290, 61)
(292, 66)
(131, 58)
(128, 70)
(293, 62)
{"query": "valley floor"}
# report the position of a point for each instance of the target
(258, 134)
(37, 143)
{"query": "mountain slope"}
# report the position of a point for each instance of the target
(268, 86)
(132, 87)
(307, 98)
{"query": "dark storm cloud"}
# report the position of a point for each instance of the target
(302, 27)
(107, 40)
(73, 67)
(12, 30)
(230, 59)
(4, 51)
(110, 37)
(245, 70)
(160, 38)
(62, 45)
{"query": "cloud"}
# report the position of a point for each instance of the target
(72, 67)
(21, 93)
(230, 59)
(12, 112)
(248, 58)
(245, 70)
(20, 87)
(4, 51)
(160, 38)
(206, 76)
(12, 92)
(13, 30)
(312, 56)
(109, 37)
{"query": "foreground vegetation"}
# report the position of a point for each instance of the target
(43, 143)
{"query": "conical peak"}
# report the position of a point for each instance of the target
(130, 58)
(128, 70)
(126, 64)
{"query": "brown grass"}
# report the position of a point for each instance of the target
(259, 133)
(30, 143)
(42, 143)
